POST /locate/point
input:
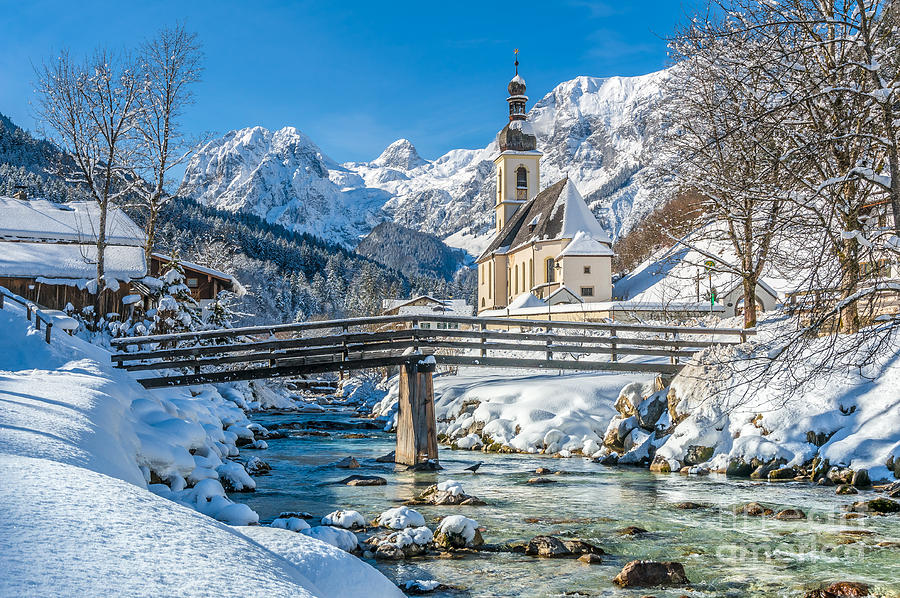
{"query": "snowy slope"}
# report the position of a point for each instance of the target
(78, 440)
(595, 130)
(284, 177)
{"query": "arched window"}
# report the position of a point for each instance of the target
(524, 288)
(530, 274)
(482, 302)
(517, 279)
(550, 269)
(499, 183)
(521, 183)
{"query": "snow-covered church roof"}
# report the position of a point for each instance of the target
(557, 212)
(583, 244)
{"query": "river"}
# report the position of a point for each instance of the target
(723, 554)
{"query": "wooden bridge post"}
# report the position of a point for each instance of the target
(612, 336)
(416, 426)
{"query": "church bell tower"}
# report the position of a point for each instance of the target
(518, 164)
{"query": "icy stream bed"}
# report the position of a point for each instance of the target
(723, 554)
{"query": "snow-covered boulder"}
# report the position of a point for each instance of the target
(345, 519)
(401, 517)
(457, 531)
(294, 524)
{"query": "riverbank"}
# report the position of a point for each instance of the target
(86, 457)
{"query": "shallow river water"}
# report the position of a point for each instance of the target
(723, 554)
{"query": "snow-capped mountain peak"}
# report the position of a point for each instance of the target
(401, 154)
(593, 130)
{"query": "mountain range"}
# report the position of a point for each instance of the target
(594, 130)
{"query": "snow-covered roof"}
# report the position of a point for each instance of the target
(583, 244)
(446, 307)
(395, 303)
(70, 260)
(76, 221)
(562, 295)
(196, 267)
(671, 275)
(559, 212)
(526, 300)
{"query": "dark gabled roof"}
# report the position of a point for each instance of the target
(557, 212)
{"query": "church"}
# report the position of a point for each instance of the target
(548, 247)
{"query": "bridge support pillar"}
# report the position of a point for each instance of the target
(416, 427)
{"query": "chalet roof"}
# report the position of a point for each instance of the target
(560, 212)
(73, 261)
(164, 258)
(73, 222)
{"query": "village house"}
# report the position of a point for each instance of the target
(548, 246)
(424, 306)
(48, 255)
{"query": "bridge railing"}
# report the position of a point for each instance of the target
(49, 317)
(261, 352)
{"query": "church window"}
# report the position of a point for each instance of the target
(517, 279)
(490, 279)
(550, 268)
(530, 274)
(524, 288)
(521, 183)
(587, 269)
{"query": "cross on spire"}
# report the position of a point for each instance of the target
(517, 60)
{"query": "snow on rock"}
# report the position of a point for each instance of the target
(401, 517)
(340, 538)
(853, 414)
(344, 519)
(235, 477)
(337, 573)
(458, 531)
(451, 486)
(532, 413)
(293, 524)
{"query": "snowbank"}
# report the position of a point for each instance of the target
(81, 443)
(529, 413)
(849, 417)
(336, 572)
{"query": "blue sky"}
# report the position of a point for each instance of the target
(353, 76)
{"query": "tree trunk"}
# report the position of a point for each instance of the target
(849, 262)
(749, 302)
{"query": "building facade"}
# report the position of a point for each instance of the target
(544, 240)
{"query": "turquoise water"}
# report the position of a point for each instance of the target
(723, 555)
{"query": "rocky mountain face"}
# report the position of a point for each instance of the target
(594, 130)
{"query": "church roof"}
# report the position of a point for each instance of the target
(583, 244)
(557, 212)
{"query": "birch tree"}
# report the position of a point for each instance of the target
(90, 109)
(172, 65)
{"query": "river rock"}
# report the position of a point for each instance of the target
(846, 489)
(547, 547)
(651, 573)
(389, 458)
(689, 506)
(631, 530)
(389, 552)
(457, 531)
(538, 481)
(660, 465)
(893, 491)
(542, 471)
(651, 409)
(782, 473)
(697, 454)
(753, 509)
(840, 589)
(840, 476)
(861, 479)
(446, 493)
(738, 468)
(347, 463)
(256, 466)
(762, 471)
(363, 480)
(790, 515)
(590, 559)
(576, 546)
(876, 505)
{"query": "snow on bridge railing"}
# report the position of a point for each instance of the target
(414, 320)
(49, 317)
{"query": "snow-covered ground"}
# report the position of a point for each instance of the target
(530, 413)
(78, 442)
(849, 416)
(854, 413)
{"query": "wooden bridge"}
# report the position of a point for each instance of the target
(415, 344)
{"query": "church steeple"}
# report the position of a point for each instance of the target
(518, 165)
(517, 97)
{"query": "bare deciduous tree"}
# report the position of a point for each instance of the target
(90, 109)
(172, 64)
